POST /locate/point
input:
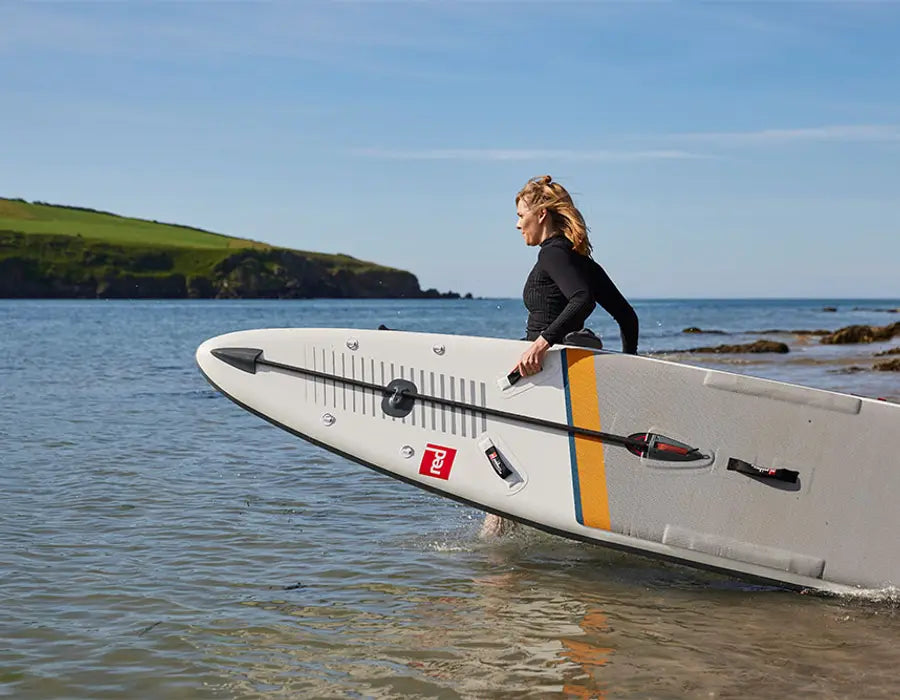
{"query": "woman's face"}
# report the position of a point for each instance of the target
(530, 223)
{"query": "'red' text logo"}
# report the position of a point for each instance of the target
(437, 461)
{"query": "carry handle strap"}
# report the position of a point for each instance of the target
(742, 467)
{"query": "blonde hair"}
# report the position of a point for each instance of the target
(542, 193)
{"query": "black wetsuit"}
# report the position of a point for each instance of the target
(561, 291)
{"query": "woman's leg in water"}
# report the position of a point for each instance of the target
(495, 526)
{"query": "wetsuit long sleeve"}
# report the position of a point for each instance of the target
(610, 298)
(561, 290)
(559, 265)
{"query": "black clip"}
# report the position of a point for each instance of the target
(399, 398)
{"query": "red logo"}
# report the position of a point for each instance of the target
(437, 461)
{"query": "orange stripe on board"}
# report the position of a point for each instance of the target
(589, 462)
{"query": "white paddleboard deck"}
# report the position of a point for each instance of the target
(772, 481)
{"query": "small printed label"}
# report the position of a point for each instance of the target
(437, 461)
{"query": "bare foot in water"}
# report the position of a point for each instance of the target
(495, 526)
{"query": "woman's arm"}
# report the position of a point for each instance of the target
(612, 301)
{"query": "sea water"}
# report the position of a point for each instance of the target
(158, 542)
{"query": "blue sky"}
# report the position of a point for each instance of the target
(716, 150)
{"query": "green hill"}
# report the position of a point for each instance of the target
(55, 251)
(39, 217)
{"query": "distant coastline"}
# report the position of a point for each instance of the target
(55, 251)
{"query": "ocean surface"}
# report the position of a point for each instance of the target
(158, 542)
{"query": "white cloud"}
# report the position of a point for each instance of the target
(856, 133)
(312, 31)
(513, 154)
(833, 134)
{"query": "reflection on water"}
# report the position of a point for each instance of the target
(544, 618)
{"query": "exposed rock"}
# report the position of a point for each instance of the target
(892, 351)
(432, 293)
(285, 274)
(861, 334)
(888, 365)
(199, 287)
(884, 311)
(20, 278)
(830, 309)
(142, 287)
(782, 331)
(694, 329)
(758, 346)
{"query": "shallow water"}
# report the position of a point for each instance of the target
(157, 541)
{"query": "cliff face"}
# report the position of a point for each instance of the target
(284, 274)
(70, 267)
(23, 278)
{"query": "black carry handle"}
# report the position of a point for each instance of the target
(742, 467)
(497, 462)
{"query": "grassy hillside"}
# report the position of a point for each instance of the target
(36, 217)
(54, 250)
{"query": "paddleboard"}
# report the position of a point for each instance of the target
(770, 481)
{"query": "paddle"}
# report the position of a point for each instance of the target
(401, 397)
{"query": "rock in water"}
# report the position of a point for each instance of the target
(861, 334)
(759, 346)
(694, 329)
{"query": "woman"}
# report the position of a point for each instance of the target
(564, 284)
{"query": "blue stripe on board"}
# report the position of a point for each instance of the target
(573, 457)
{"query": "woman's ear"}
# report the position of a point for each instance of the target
(542, 216)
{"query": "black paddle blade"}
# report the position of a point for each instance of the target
(242, 358)
(663, 448)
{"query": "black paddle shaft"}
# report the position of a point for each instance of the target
(609, 438)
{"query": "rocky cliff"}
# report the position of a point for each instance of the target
(54, 266)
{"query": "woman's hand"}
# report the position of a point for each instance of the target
(533, 358)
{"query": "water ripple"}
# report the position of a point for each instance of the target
(159, 542)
